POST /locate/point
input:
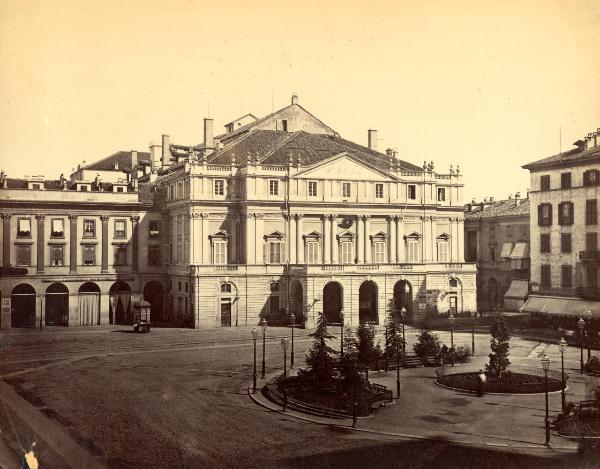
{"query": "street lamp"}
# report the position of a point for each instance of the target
(473, 334)
(397, 337)
(254, 339)
(293, 321)
(588, 314)
(546, 367)
(580, 326)
(403, 318)
(451, 320)
(562, 345)
(263, 325)
(284, 346)
(342, 333)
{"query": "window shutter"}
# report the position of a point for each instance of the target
(540, 219)
(549, 215)
(282, 253)
(266, 253)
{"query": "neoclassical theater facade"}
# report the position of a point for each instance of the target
(275, 216)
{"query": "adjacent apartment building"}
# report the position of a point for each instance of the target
(497, 239)
(565, 254)
(277, 215)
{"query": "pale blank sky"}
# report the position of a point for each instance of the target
(486, 85)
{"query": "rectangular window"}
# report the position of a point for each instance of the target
(153, 255)
(312, 252)
(565, 180)
(565, 242)
(566, 276)
(346, 189)
(591, 212)
(591, 241)
(509, 231)
(524, 231)
(492, 253)
(379, 252)
(120, 252)
(379, 191)
(545, 215)
(546, 279)
(83, 188)
(441, 194)
(347, 252)
(120, 229)
(273, 187)
(591, 178)
(545, 242)
(545, 183)
(442, 253)
(219, 187)
(24, 228)
(220, 252)
(412, 191)
(565, 210)
(23, 255)
(413, 251)
(89, 255)
(275, 252)
(57, 255)
(89, 228)
(154, 229)
(57, 228)
(312, 188)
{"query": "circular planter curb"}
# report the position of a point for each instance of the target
(500, 393)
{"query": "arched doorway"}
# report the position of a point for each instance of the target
(23, 306)
(153, 294)
(367, 303)
(89, 304)
(119, 303)
(57, 305)
(227, 298)
(332, 302)
(454, 295)
(297, 301)
(492, 296)
(403, 298)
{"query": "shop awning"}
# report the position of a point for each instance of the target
(506, 250)
(555, 306)
(519, 289)
(521, 251)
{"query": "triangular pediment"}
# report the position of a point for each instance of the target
(313, 235)
(345, 166)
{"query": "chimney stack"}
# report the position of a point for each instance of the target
(294, 99)
(517, 198)
(165, 159)
(134, 161)
(155, 155)
(208, 133)
(372, 134)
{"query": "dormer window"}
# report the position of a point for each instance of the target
(378, 244)
(312, 247)
(219, 247)
(274, 248)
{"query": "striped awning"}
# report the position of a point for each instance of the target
(521, 251)
(556, 306)
(506, 250)
(518, 290)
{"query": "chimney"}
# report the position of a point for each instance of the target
(155, 154)
(165, 159)
(597, 138)
(372, 134)
(208, 133)
(491, 200)
(469, 207)
(294, 99)
(580, 144)
(588, 141)
(134, 161)
(518, 198)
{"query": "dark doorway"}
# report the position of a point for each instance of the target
(367, 303)
(332, 303)
(153, 294)
(120, 302)
(57, 305)
(226, 313)
(492, 293)
(23, 306)
(297, 302)
(403, 298)
(89, 304)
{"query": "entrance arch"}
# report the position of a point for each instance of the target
(367, 303)
(89, 304)
(226, 300)
(153, 294)
(23, 306)
(332, 302)
(297, 301)
(57, 305)
(403, 294)
(120, 298)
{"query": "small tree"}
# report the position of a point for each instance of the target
(320, 361)
(349, 362)
(499, 344)
(427, 345)
(368, 352)
(393, 339)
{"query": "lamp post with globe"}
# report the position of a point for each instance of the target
(546, 367)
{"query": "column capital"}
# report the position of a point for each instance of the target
(287, 216)
(332, 216)
(194, 215)
(135, 218)
(73, 218)
(104, 218)
(40, 217)
(365, 217)
(6, 216)
(298, 216)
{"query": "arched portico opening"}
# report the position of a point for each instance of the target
(23, 306)
(57, 305)
(89, 304)
(153, 294)
(367, 303)
(120, 302)
(332, 302)
(403, 297)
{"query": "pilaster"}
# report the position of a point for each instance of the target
(73, 243)
(41, 241)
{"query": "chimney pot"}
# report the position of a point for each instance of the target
(294, 99)
(208, 133)
(491, 200)
(372, 137)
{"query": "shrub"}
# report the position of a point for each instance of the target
(593, 365)
(320, 361)
(427, 345)
(368, 352)
(499, 344)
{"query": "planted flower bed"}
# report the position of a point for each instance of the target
(518, 381)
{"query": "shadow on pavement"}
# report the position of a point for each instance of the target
(442, 454)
